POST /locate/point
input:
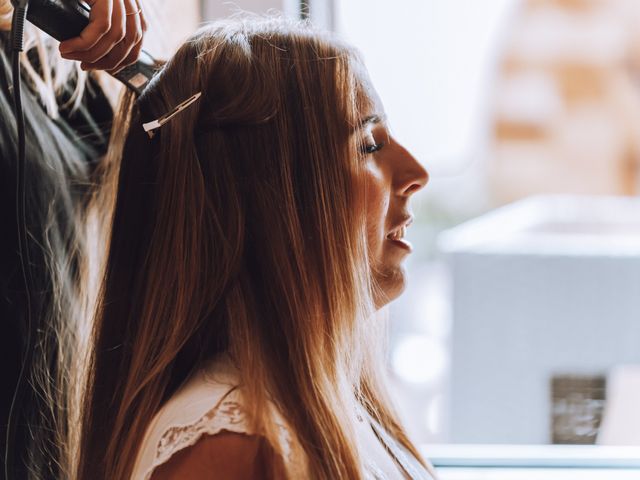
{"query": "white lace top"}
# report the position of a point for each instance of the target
(210, 401)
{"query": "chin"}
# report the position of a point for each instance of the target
(391, 283)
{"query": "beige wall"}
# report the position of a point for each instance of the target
(170, 22)
(567, 105)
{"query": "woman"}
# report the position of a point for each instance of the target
(254, 237)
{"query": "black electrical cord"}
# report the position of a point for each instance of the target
(17, 46)
(54, 17)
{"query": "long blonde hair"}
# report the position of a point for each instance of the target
(239, 227)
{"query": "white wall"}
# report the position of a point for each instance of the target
(213, 9)
(431, 61)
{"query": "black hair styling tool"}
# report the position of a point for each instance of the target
(65, 19)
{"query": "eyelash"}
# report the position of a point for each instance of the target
(368, 149)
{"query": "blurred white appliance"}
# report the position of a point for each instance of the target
(621, 424)
(548, 285)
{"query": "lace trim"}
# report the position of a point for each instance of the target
(229, 415)
(294, 457)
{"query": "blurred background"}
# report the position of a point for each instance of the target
(520, 323)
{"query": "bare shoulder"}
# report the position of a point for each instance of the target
(224, 456)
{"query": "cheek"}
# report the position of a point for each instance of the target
(387, 272)
(377, 203)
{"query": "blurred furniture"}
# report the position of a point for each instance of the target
(621, 424)
(577, 405)
(546, 286)
(533, 462)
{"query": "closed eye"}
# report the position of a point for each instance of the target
(372, 148)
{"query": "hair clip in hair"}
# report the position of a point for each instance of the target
(149, 127)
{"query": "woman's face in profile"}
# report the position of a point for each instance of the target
(391, 176)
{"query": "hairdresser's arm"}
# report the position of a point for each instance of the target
(113, 38)
(224, 456)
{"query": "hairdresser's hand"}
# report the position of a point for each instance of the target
(113, 38)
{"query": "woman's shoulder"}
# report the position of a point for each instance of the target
(228, 455)
(208, 403)
(205, 425)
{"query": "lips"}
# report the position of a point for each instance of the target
(396, 235)
(399, 231)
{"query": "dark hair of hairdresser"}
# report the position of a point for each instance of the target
(239, 228)
(61, 147)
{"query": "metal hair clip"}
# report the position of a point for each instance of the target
(149, 127)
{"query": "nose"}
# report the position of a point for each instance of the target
(410, 175)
